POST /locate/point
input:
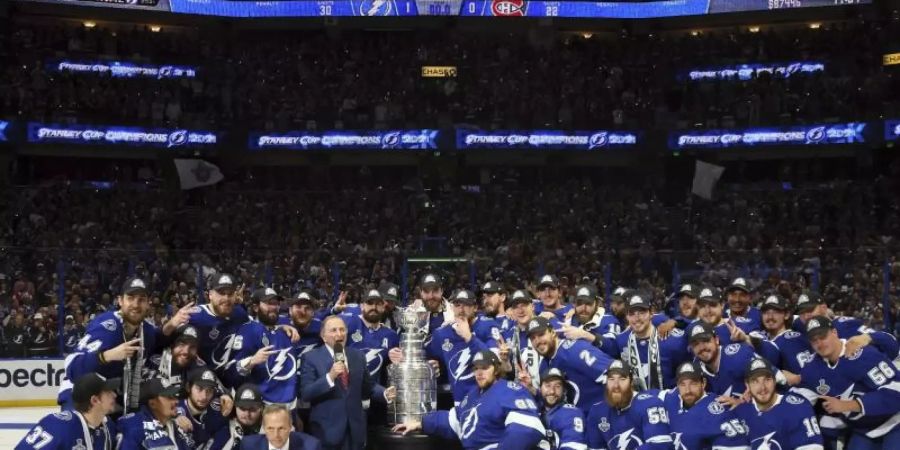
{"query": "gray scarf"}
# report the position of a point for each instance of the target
(654, 378)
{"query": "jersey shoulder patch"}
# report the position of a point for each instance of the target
(792, 335)
(855, 354)
(63, 415)
(677, 332)
(109, 324)
(741, 319)
(732, 349)
(567, 343)
(644, 396)
(844, 319)
(715, 408)
(514, 385)
(794, 400)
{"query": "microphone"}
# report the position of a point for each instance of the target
(339, 352)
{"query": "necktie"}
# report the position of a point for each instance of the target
(345, 379)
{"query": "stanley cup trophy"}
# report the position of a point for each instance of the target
(414, 377)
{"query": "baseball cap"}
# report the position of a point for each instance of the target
(701, 331)
(548, 280)
(585, 294)
(818, 326)
(390, 292)
(689, 290)
(70, 317)
(689, 369)
(187, 334)
(809, 300)
(202, 376)
(463, 296)
(265, 295)
(485, 358)
(759, 366)
(221, 281)
(158, 387)
(774, 302)
(619, 294)
(93, 384)
(517, 297)
(553, 374)
(38, 316)
(492, 287)
(637, 302)
(135, 285)
(618, 367)
(430, 280)
(538, 325)
(373, 294)
(248, 396)
(302, 298)
(709, 295)
(739, 284)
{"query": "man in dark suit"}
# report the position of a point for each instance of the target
(278, 435)
(335, 381)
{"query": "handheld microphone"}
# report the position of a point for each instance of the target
(339, 352)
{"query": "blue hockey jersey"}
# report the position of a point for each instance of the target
(601, 325)
(643, 425)
(277, 377)
(141, 431)
(456, 355)
(310, 337)
(847, 327)
(789, 424)
(373, 343)
(564, 424)
(68, 430)
(103, 333)
(707, 425)
(733, 362)
(204, 426)
(673, 350)
(866, 376)
(793, 351)
(216, 336)
(559, 314)
(752, 321)
(585, 368)
(504, 415)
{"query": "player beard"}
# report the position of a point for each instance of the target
(268, 318)
(372, 316)
(619, 399)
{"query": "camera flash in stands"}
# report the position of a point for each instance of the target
(754, 29)
(155, 28)
(815, 25)
(89, 24)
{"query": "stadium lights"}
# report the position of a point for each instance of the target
(695, 32)
(89, 24)
(754, 29)
(587, 35)
(155, 28)
(815, 25)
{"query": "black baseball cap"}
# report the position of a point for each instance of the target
(463, 296)
(739, 284)
(93, 384)
(248, 396)
(202, 376)
(303, 298)
(618, 295)
(222, 281)
(709, 295)
(538, 325)
(808, 301)
(689, 369)
(553, 374)
(265, 295)
(485, 358)
(518, 296)
(585, 294)
(689, 290)
(430, 280)
(135, 285)
(548, 280)
(617, 366)
(390, 292)
(157, 387)
(774, 302)
(818, 326)
(373, 294)
(759, 366)
(701, 331)
(637, 302)
(492, 287)
(187, 334)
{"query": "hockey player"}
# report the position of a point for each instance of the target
(199, 414)
(493, 413)
(493, 301)
(792, 350)
(589, 320)
(625, 420)
(367, 334)
(247, 419)
(745, 316)
(116, 345)
(583, 363)
(775, 420)
(563, 421)
(859, 390)
(698, 421)
(86, 426)
(153, 425)
(264, 353)
(551, 304)
(811, 304)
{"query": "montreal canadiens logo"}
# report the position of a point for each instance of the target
(508, 8)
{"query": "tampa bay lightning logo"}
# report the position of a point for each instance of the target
(165, 71)
(766, 442)
(626, 440)
(598, 140)
(221, 355)
(177, 138)
(282, 366)
(391, 140)
(460, 364)
(372, 8)
(470, 424)
(816, 134)
(374, 360)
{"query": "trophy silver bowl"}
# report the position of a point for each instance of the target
(414, 377)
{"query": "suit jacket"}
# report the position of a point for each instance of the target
(298, 441)
(337, 413)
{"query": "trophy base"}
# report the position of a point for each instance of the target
(385, 439)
